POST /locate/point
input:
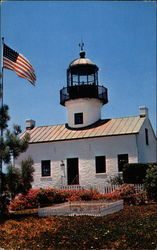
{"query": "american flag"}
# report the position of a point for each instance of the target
(18, 63)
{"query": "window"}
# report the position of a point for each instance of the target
(45, 168)
(78, 118)
(122, 160)
(146, 136)
(100, 164)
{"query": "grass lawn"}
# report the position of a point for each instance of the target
(135, 227)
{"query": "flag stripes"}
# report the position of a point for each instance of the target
(18, 63)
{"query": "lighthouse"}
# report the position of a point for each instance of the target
(87, 151)
(83, 97)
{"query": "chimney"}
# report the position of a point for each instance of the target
(30, 124)
(143, 111)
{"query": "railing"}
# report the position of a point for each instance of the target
(83, 91)
(138, 187)
(104, 189)
(72, 187)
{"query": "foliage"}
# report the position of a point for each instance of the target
(134, 173)
(38, 197)
(4, 202)
(117, 180)
(86, 195)
(13, 180)
(4, 117)
(10, 143)
(18, 180)
(27, 171)
(4, 195)
(46, 197)
(11, 146)
(134, 227)
(49, 196)
(150, 181)
(127, 192)
(25, 201)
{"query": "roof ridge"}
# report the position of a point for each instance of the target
(101, 120)
(131, 116)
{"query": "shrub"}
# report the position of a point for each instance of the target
(25, 201)
(116, 180)
(39, 197)
(86, 195)
(17, 204)
(4, 202)
(98, 196)
(43, 197)
(51, 196)
(140, 198)
(128, 193)
(27, 171)
(46, 196)
(74, 197)
(62, 195)
(134, 173)
(150, 182)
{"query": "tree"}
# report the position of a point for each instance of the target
(27, 171)
(11, 145)
(4, 117)
(18, 180)
(150, 181)
(13, 180)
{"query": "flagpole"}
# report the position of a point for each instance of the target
(1, 84)
(1, 81)
(1, 97)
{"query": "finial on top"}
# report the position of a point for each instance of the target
(81, 45)
(82, 52)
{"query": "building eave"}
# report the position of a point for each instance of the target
(103, 128)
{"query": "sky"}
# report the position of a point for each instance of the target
(119, 37)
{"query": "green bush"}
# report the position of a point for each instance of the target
(150, 182)
(140, 198)
(127, 192)
(134, 173)
(86, 195)
(46, 196)
(117, 180)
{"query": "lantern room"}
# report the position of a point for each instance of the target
(83, 94)
(82, 72)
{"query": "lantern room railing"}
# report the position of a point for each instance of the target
(83, 91)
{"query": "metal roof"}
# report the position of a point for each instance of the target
(107, 127)
(81, 61)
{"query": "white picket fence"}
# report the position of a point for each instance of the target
(104, 189)
(78, 208)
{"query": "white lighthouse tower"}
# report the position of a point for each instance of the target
(83, 97)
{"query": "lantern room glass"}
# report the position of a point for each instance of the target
(82, 79)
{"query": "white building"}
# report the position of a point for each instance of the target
(87, 150)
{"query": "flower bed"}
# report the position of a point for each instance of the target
(134, 227)
(50, 196)
(46, 197)
(92, 208)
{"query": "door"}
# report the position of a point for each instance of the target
(72, 171)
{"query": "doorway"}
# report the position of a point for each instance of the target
(72, 171)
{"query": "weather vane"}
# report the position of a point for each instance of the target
(81, 45)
